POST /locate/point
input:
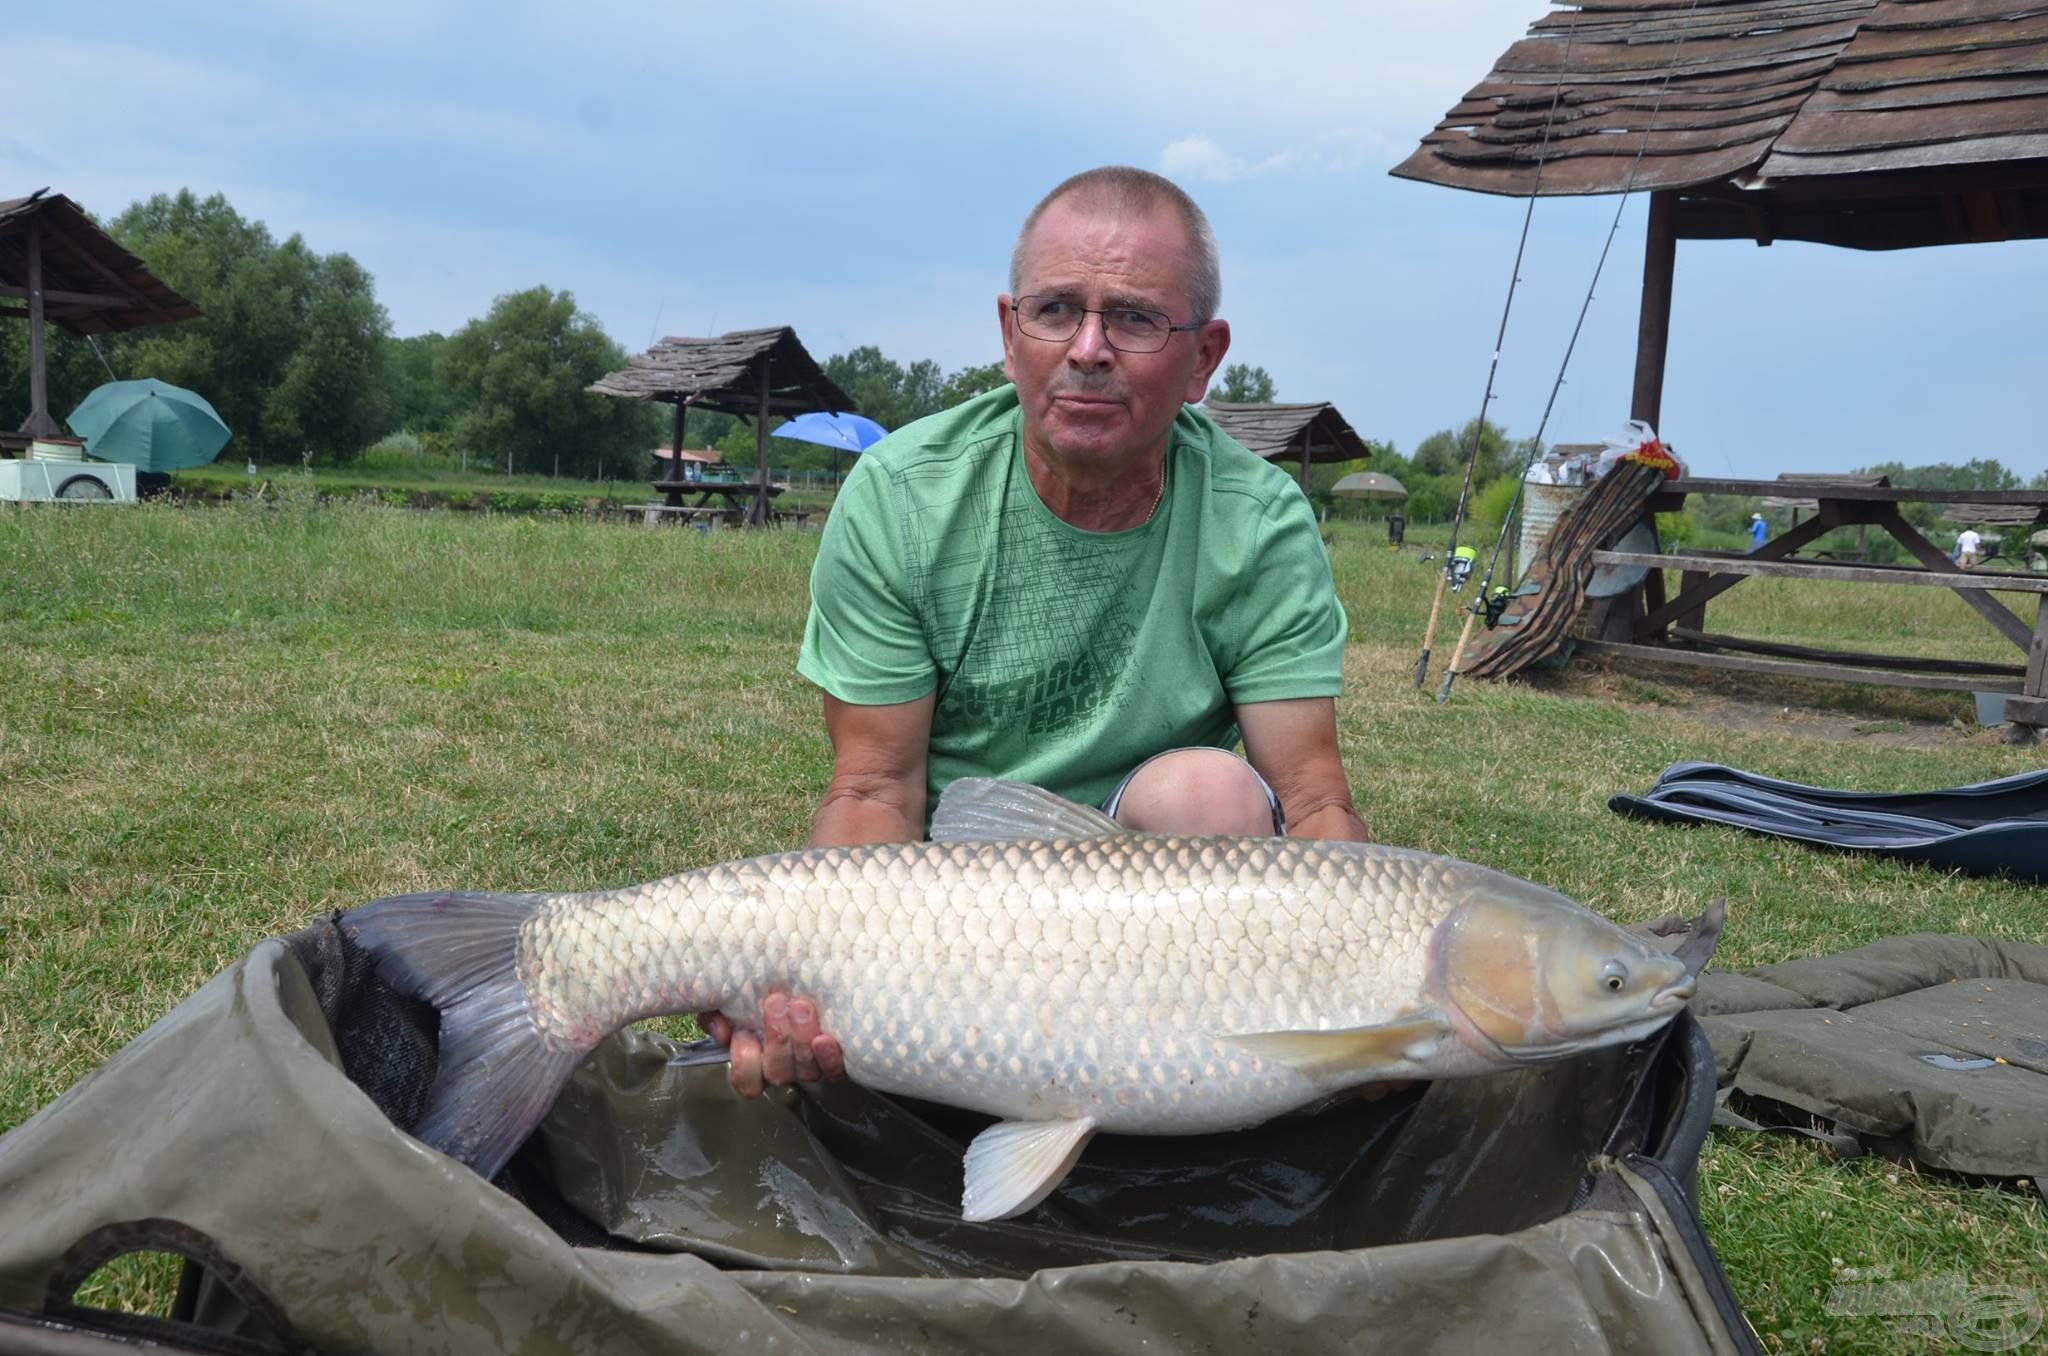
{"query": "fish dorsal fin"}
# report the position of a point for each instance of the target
(1396, 1046)
(1013, 1165)
(985, 810)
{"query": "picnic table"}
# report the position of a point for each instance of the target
(1649, 625)
(707, 501)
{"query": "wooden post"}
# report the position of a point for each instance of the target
(39, 423)
(758, 515)
(674, 475)
(1653, 329)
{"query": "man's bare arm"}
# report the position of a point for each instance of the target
(1293, 744)
(877, 791)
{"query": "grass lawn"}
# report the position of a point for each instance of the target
(217, 723)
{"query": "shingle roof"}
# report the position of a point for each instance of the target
(1285, 432)
(91, 285)
(1771, 115)
(724, 374)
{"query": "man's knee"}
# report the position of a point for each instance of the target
(1197, 791)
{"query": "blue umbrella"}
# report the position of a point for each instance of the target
(847, 432)
(150, 424)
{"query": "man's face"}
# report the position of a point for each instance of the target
(1086, 404)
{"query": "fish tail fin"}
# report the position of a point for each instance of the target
(499, 1073)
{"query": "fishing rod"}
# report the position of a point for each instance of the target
(1480, 599)
(1493, 368)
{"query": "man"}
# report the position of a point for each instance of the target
(1076, 580)
(1757, 531)
(1968, 542)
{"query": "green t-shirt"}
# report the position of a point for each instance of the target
(1063, 657)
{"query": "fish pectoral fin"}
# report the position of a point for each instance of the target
(1408, 1039)
(1013, 1165)
(986, 810)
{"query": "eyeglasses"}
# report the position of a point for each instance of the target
(1128, 329)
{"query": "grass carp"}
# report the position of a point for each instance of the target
(1036, 962)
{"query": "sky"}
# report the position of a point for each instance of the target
(858, 170)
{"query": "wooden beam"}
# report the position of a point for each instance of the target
(96, 264)
(1837, 574)
(1671, 494)
(1787, 668)
(1859, 658)
(757, 512)
(1692, 600)
(39, 423)
(98, 301)
(1935, 559)
(2037, 655)
(1653, 327)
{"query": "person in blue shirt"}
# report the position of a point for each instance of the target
(1757, 531)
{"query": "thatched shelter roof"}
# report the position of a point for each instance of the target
(726, 374)
(1873, 124)
(1313, 432)
(91, 285)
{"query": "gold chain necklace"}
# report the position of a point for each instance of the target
(1157, 499)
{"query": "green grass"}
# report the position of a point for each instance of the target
(217, 723)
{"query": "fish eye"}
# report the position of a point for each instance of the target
(1614, 976)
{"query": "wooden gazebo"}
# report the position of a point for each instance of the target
(67, 272)
(1869, 124)
(757, 374)
(1304, 433)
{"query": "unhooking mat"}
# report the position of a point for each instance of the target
(1988, 828)
(257, 1130)
(1930, 1047)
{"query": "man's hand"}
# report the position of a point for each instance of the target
(792, 1047)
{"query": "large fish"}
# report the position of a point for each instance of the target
(1039, 963)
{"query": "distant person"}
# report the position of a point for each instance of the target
(1397, 527)
(1967, 543)
(1077, 581)
(1758, 530)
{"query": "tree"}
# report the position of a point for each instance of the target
(522, 370)
(290, 345)
(1244, 384)
(417, 398)
(970, 382)
(1445, 453)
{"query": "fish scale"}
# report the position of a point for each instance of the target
(1035, 962)
(907, 947)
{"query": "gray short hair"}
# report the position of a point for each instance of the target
(1121, 187)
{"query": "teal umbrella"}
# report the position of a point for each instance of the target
(150, 424)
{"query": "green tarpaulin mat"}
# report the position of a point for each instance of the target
(1931, 1047)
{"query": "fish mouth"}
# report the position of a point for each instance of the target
(1674, 996)
(1662, 1007)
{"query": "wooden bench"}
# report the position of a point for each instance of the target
(658, 512)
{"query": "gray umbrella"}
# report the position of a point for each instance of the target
(1368, 485)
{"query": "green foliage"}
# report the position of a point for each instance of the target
(883, 389)
(522, 371)
(290, 348)
(417, 399)
(970, 382)
(1244, 384)
(1445, 453)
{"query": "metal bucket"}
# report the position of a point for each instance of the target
(57, 449)
(1542, 506)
